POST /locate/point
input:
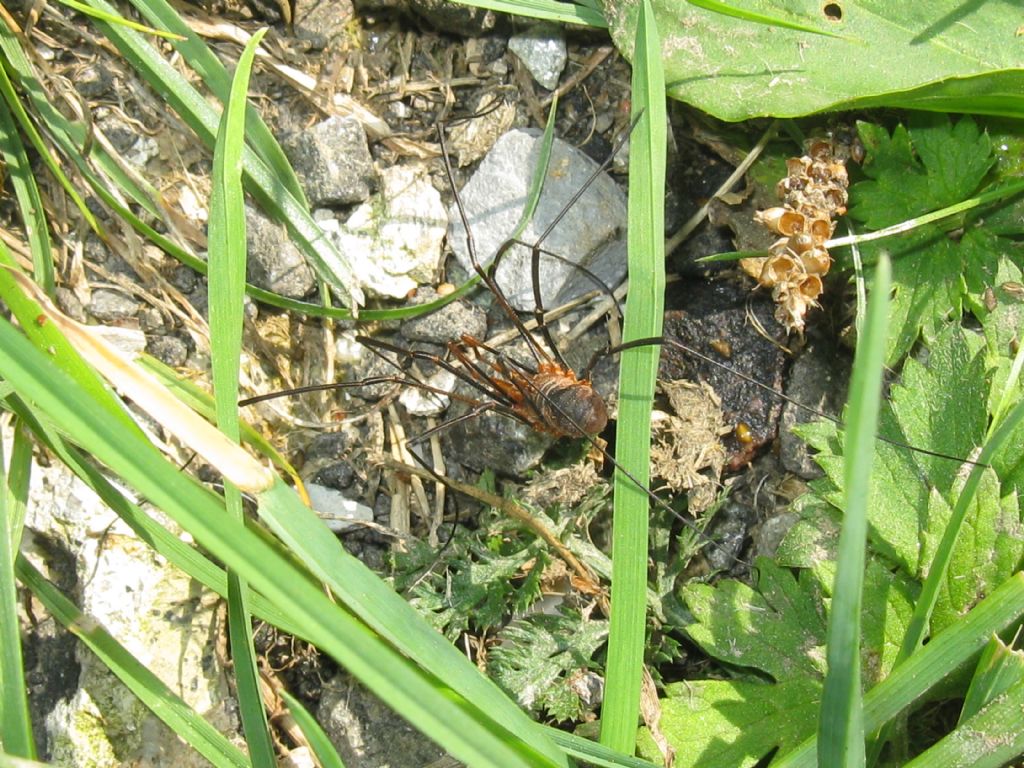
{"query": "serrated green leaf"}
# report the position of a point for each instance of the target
(728, 724)
(929, 165)
(779, 630)
(939, 405)
(987, 552)
(538, 655)
(481, 589)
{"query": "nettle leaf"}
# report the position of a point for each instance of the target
(939, 405)
(777, 629)
(988, 550)
(931, 165)
(538, 657)
(728, 724)
(796, 58)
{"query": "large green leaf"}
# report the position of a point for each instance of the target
(944, 55)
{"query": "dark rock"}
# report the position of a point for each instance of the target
(366, 732)
(275, 263)
(446, 324)
(815, 381)
(169, 350)
(333, 161)
(723, 348)
(320, 23)
(453, 18)
(70, 305)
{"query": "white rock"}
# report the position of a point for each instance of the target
(394, 240)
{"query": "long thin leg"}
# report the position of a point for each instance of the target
(487, 275)
(536, 250)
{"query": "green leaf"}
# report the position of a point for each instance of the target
(918, 169)
(987, 552)
(778, 629)
(538, 657)
(931, 165)
(481, 587)
(938, 405)
(940, 56)
(727, 724)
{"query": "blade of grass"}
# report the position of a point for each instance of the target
(475, 728)
(937, 660)
(226, 291)
(321, 745)
(637, 375)
(187, 558)
(201, 59)
(15, 723)
(163, 702)
(271, 193)
(30, 203)
(841, 725)
(545, 10)
(999, 668)
(990, 739)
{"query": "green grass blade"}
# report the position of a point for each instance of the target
(761, 18)
(30, 203)
(932, 664)
(991, 739)
(637, 375)
(545, 10)
(218, 80)
(226, 289)
(271, 193)
(187, 558)
(999, 668)
(206, 739)
(15, 724)
(841, 726)
(321, 745)
(592, 753)
(484, 729)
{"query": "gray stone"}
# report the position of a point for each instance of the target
(275, 263)
(70, 305)
(367, 733)
(493, 441)
(446, 324)
(337, 511)
(333, 161)
(590, 234)
(170, 350)
(542, 50)
(109, 306)
(319, 23)
(158, 613)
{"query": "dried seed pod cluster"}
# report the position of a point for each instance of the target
(813, 193)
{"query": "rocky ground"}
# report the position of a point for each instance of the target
(357, 94)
